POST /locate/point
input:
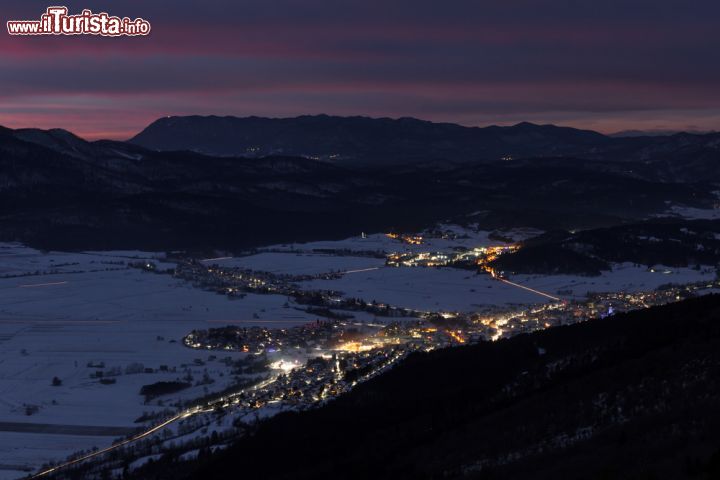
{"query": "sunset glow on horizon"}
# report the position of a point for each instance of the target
(607, 67)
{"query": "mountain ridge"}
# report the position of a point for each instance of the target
(357, 138)
(366, 141)
(58, 190)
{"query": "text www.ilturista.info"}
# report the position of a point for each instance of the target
(56, 21)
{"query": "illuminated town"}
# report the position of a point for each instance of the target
(351, 340)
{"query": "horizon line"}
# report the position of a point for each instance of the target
(629, 132)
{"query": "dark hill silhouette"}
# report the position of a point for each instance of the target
(60, 191)
(363, 140)
(392, 142)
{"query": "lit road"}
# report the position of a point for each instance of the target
(360, 270)
(137, 437)
(180, 416)
(538, 292)
(38, 285)
(215, 259)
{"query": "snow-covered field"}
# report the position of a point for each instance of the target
(624, 277)
(27, 449)
(60, 312)
(451, 289)
(299, 263)
(426, 289)
(382, 243)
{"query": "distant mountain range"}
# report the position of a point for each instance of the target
(181, 184)
(658, 133)
(384, 141)
(360, 139)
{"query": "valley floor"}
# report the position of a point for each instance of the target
(70, 315)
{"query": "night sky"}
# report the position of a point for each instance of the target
(606, 65)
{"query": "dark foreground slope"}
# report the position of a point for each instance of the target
(633, 396)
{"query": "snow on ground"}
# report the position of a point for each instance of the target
(520, 234)
(19, 449)
(298, 263)
(375, 242)
(446, 288)
(17, 260)
(116, 318)
(461, 237)
(142, 461)
(624, 277)
(9, 472)
(460, 290)
(692, 213)
(60, 312)
(380, 242)
(426, 289)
